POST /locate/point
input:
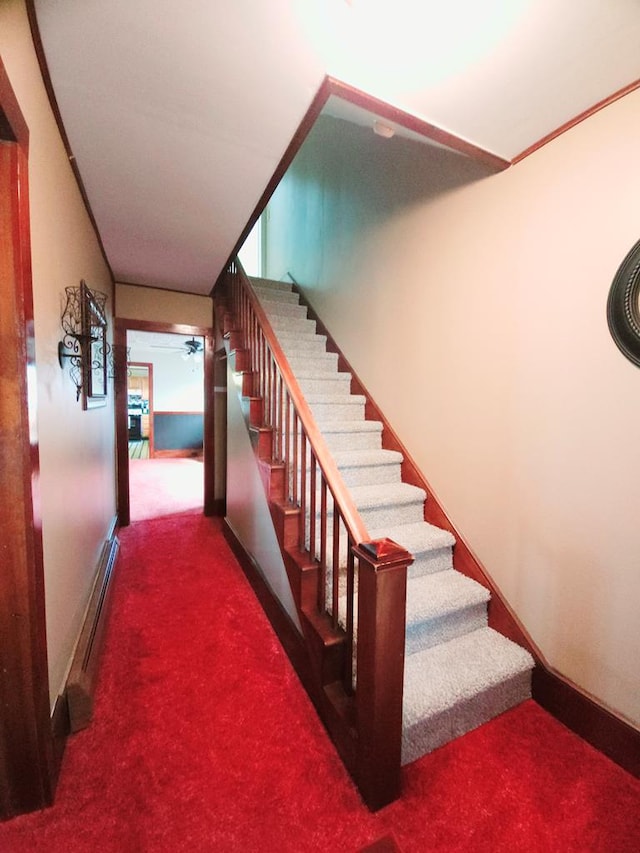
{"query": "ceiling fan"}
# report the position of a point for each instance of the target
(188, 348)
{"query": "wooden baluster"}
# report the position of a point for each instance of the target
(303, 492)
(382, 584)
(312, 505)
(335, 598)
(294, 496)
(322, 574)
(287, 446)
(348, 660)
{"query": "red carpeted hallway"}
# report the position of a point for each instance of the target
(203, 740)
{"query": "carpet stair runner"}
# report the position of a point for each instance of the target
(459, 673)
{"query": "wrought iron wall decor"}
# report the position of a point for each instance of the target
(623, 306)
(84, 344)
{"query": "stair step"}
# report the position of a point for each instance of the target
(276, 308)
(348, 407)
(389, 506)
(322, 362)
(352, 435)
(430, 545)
(368, 467)
(283, 325)
(443, 606)
(271, 284)
(268, 294)
(454, 687)
(327, 384)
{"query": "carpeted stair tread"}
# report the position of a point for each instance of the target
(310, 370)
(441, 594)
(276, 308)
(267, 294)
(417, 537)
(457, 686)
(339, 396)
(271, 284)
(362, 458)
(445, 675)
(329, 426)
(366, 497)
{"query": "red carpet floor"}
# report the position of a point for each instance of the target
(203, 740)
(164, 486)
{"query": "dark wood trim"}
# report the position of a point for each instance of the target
(121, 326)
(610, 99)
(614, 737)
(53, 103)
(563, 699)
(28, 769)
(83, 675)
(415, 124)
(170, 328)
(15, 122)
(60, 731)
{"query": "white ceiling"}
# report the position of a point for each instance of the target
(179, 113)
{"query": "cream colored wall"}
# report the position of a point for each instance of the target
(135, 302)
(247, 510)
(476, 315)
(76, 447)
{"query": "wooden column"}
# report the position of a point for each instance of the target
(382, 588)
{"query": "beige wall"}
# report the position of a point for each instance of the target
(76, 446)
(136, 302)
(247, 509)
(476, 315)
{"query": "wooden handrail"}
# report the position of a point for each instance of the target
(341, 495)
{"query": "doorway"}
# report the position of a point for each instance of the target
(140, 409)
(180, 412)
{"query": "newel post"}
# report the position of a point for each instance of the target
(382, 587)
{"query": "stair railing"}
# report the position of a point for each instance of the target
(368, 603)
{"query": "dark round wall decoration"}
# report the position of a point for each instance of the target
(623, 306)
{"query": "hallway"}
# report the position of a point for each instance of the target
(203, 740)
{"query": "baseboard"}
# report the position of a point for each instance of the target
(218, 508)
(609, 734)
(60, 731)
(81, 683)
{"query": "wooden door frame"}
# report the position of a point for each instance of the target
(121, 327)
(149, 366)
(28, 760)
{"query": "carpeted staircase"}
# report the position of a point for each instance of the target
(459, 673)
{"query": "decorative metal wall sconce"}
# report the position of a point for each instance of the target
(84, 322)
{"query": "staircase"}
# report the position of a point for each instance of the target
(459, 673)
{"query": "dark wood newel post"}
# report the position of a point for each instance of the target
(382, 587)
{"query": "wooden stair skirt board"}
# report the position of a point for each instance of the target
(83, 676)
